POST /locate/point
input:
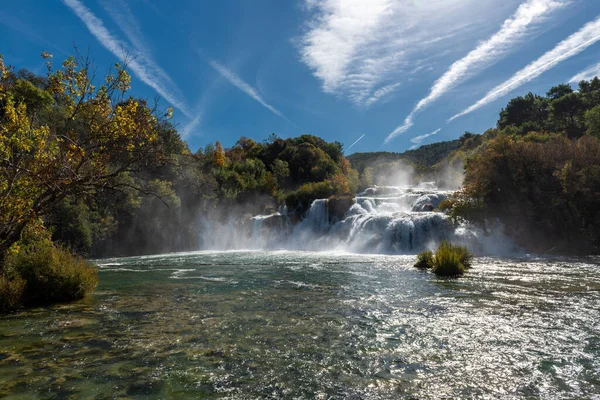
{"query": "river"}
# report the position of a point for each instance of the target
(305, 325)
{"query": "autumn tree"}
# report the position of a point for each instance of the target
(219, 155)
(86, 140)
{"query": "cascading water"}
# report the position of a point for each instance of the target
(382, 219)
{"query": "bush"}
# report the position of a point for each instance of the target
(11, 293)
(451, 260)
(51, 274)
(425, 260)
(309, 192)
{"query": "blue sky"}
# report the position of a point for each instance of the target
(398, 73)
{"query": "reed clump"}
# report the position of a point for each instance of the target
(448, 260)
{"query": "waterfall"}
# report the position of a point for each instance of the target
(317, 217)
(382, 219)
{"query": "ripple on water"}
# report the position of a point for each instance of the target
(311, 325)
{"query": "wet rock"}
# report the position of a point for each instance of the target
(428, 207)
(338, 206)
(144, 389)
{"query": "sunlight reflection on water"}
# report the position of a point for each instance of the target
(297, 325)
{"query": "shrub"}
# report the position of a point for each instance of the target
(52, 274)
(451, 260)
(11, 293)
(425, 260)
(309, 192)
(466, 258)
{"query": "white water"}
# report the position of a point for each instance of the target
(383, 219)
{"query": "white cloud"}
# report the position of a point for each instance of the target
(587, 74)
(243, 86)
(418, 139)
(122, 15)
(192, 125)
(141, 65)
(382, 93)
(355, 47)
(511, 33)
(574, 44)
(406, 125)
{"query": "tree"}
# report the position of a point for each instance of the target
(219, 155)
(592, 121)
(92, 137)
(280, 170)
(556, 92)
(528, 113)
(565, 112)
(590, 92)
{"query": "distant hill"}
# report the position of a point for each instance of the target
(427, 155)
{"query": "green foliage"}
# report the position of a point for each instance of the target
(73, 225)
(367, 177)
(427, 155)
(546, 192)
(11, 293)
(308, 192)
(559, 91)
(592, 121)
(65, 136)
(447, 263)
(538, 172)
(425, 260)
(51, 274)
(566, 114)
(451, 260)
(36, 99)
(525, 113)
(280, 170)
(448, 260)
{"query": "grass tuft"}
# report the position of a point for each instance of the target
(448, 260)
(425, 260)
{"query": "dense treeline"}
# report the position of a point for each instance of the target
(87, 169)
(440, 162)
(538, 171)
(123, 182)
(427, 155)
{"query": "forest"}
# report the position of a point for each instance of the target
(537, 174)
(89, 171)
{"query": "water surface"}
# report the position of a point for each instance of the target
(249, 325)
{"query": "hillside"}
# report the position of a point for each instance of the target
(427, 155)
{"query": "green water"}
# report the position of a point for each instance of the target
(293, 325)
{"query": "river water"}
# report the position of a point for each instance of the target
(305, 325)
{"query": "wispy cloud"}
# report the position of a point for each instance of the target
(357, 140)
(587, 74)
(26, 31)
(511, 33)
(381, 93)
(122, 15)
(141, 64)
(418, 139)
(192, 124)
(357, 48)
(236, 81)
(574, 44)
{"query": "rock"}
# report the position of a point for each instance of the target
(338, 206)
(428, 207)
